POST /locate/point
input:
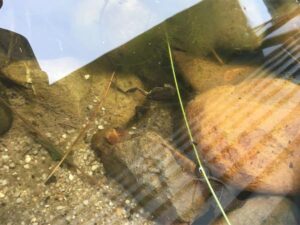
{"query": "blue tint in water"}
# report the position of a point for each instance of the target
(65, 35)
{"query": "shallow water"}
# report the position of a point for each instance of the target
(115, 141)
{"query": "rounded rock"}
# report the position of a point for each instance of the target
(249, 134)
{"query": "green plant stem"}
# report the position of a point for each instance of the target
(191, 136)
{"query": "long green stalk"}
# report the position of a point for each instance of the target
(191, 136)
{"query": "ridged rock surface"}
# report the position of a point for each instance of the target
(249, 134)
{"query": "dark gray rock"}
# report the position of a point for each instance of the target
(263, 210)
(145, 165)
(6, 118)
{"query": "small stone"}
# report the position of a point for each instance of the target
(85, 202)
(71, 177)
(5, 157)
(120, 211)
(95, 167)
(2, 195)
(19, 200)
(60, 207)
(71, 131)
(27, 158)
(3, 182)
(100, 127)
(35, 152)
(86, 76)
(127, 201)
(26, 166)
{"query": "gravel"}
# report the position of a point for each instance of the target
(25, 199)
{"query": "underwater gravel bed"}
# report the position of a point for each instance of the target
(25, 199)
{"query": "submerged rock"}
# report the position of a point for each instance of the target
(267, 210)
(198, 30)
(203, 73)
(14, 47)
(218, 24)
(71, 100)
(249, 134)
(145, 165)
(6, 118)
(278, 8)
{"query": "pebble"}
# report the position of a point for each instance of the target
(27, 158)
(5, 157)
(26, 166)
(127, 201)
(71, 131)
(85, 202)
(95, 167)
(60, 207)
(120, 211)
(19, 200)
(87, 76)
(35, 152)
(71, 177)
(3, 182)
(100, 127)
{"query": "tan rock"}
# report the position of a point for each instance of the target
(249, 134)
(68, 102)
(203, 73)
(22, 72)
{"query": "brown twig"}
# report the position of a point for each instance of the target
(216, 55)
(84, 129)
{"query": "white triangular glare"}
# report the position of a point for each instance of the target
(66, 35)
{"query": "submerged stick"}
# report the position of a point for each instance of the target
(84, 129)
(200, 164)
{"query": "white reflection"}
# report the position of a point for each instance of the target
(59, 67)
(82, 30)
(256, 11)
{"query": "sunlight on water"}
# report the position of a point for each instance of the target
(159, 112)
